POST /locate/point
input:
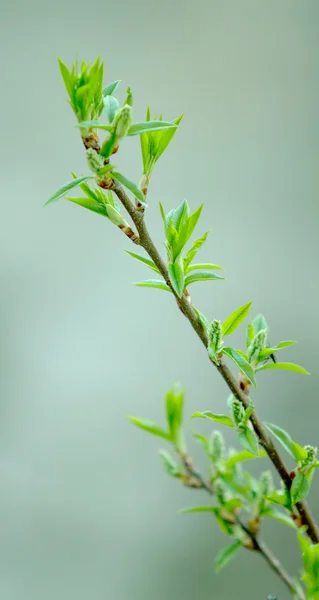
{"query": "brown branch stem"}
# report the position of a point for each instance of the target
(187, 309)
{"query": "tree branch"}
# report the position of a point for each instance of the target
(257, 545)
(183, 303)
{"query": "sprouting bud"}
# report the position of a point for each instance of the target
(311, 456)
(266, 483)
(129, 97)
(257, 345)
(217, 446)
(238, 413)
(214, 338)
(94, 160)
(220, 491)
(122, 121)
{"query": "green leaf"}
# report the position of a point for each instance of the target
(201, 276)
(250, 334)
(132, 187)
(225, 555)
(204, 321)
(60, 193)
(259, 323)
(297, 452)
(67, 78)
(197, 509)
(284, 366)
(243, 456)
(279, 497)
(153, 283)
(241, 363)
(174, 401)
(194, 249)
(202, 440)
(139, 128)
(89, 204)
(111, 88)
(235, 319)
(268, 351)
(249, 441)
(300, 488)
(150, 427)
(207, 414)
(146, 261)
(195, 267)
(284, 518)
(111, 107)
(169, 464)
(93, 125)
(187, 230)
(176, 275)
(166, 137)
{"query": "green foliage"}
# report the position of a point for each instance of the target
(235, 319)
(239, 501)
(207, 414)
(84, 87)
(284, 366)
(67, 187)
(111, 88)
(171, 467)
(145, 261)
(310, 555)
(153, 283)
(174, 415)
(227, 554)
(242, 364)
(132, 187)
(193, 251)
(300, 487)
(150, 427)
(155, 140)
(295, 450)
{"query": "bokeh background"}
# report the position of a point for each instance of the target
(86, 511)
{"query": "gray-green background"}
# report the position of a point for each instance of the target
(85, 510)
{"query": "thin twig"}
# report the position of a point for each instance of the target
(257, 544)
(183, 303)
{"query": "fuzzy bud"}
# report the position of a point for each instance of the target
(94, 160)
(257, 345)
(217, 446)
(311, 456)
(238, 413)
(266, 483)
(214, 338)
(122, 121)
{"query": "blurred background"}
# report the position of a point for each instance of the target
(86, 511)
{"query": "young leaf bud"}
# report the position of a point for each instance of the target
(257, 345)
(94, 160)
(310, 459)
(266, 483)
(129, 97)
(215, 342)
(238, 413)
(122, 121)
(217, 446)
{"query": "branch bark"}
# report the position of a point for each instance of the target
(186, 308)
